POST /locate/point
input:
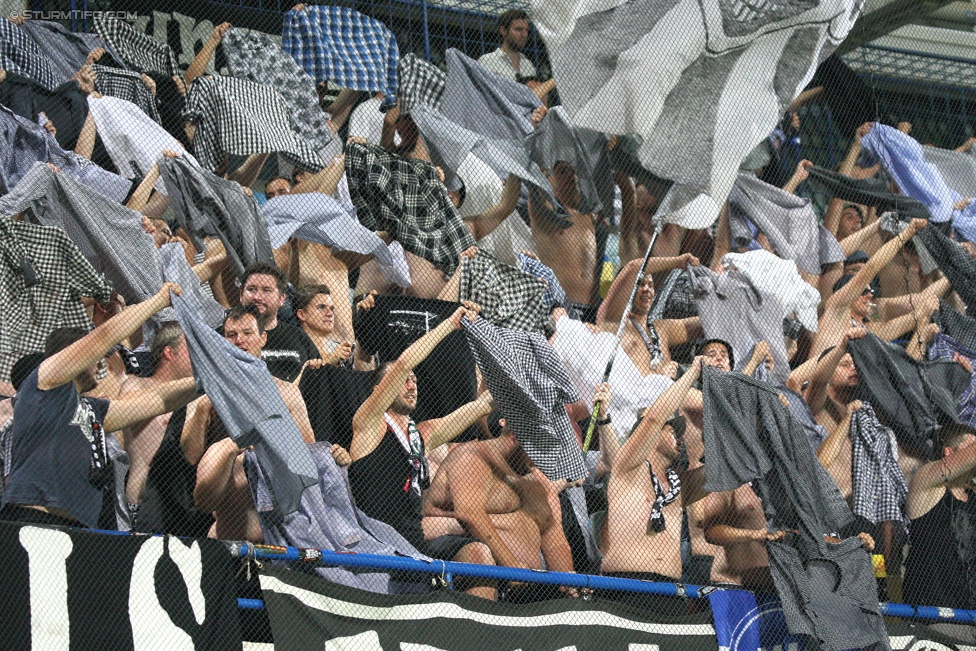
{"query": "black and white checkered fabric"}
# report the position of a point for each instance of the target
(674, 300)
(421, 83)
(108, 234)
(127, 85)
(236, 116)
(509, 297)
(139, 51)
(880, 488)
(531, 388)
(255, 57)
(21, 56)
(403, 197)
(43, 276)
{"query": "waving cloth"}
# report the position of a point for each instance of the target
(957, 265)
(127, 85)
(531, 389)
(403, 197)
(701, 83)
(64, 50)
(137, 50)
(958, 169)
(879, 486)
(421, 84)
(23, 143)
(787, 220)
(248, 402)
(236, 116)
(870, 192)
(21, 56)
(341, 45)
(255, 57)
(509, 297)
(207, 205)
(945, 347)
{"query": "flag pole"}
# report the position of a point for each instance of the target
(620, 333)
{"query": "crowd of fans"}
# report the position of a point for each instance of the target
(350, 272)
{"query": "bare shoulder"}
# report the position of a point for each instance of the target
(135, 383)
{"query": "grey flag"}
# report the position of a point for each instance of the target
(701, 82)
(177, 270)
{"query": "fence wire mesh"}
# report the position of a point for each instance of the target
(485, 324)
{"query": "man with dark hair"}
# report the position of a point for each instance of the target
(170, 359)
(389, 473)
(276, 187)
(941, 504)
(287, 347)
(315, 310)
(222, 487)
(507, 61)
(59, 462)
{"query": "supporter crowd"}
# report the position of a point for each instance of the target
(249, 307)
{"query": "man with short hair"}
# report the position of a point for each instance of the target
(507, 61)
(286, 348)
(59, 462)
(389, 473)
(315, 310)
(170, 359)
(222, 487)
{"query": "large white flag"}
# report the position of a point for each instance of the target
(702, 82)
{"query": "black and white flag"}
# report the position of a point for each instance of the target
(701, 81)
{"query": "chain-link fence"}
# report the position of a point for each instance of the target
(486, 325)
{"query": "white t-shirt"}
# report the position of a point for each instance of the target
(366, 121)
(499, 63)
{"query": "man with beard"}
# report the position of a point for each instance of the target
(59, 462)
(389, 472)
(642, 535)
(507, 61)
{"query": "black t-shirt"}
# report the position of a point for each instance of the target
(446, 380)
(381, 485)
(51, 450)
(333, 395)
(935, 574)
(287, 350)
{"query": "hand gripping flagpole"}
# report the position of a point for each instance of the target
(620, 333)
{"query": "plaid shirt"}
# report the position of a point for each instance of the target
(341, 45)
(530, 386)
(509, 297)
(674, 300)
(21, 56)
(30, 312)
(945, 347)
(236, 116)
(403, 197)
(879, 486)
(139, 51)
(255, 57)
(555, 295)
(421, 84)
(127, 85)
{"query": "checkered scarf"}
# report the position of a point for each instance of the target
(236, 116)
(255, 57)
(403, 197)
(341, 45)
(531, 388)
(139, 51)
(880, 488)
(21, 56)
(945, 347)
(127, 85)
(43, 276)
(656, 523)
(508, 297)
(421, 83)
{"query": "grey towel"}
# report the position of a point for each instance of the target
(177, 270)
(207, 205)
(247, 400)
(733, 309)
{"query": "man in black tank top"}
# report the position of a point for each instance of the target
(941, 504)
(389, 473)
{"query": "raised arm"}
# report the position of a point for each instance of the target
(800, 174)
(193, 438)
(613, 305)
(368, 425)
(831, 448)
(482, 225)
(439, 431)
(856, 240)
(200, 62)
(325, 180)
(140, 197)
(248, 172)
(648, 432)
(609, 443)
(65, 366)
(139, 406)
(214, 473)
(895, 328)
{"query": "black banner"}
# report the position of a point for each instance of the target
(310, 614)
(69, 589)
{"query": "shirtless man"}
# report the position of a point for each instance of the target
(222, 487)
(514, 513)
(171, 359)
(642, 536)
(647, 344)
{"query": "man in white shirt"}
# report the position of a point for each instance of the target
(507, 61)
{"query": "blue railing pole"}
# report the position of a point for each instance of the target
(423, 14)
